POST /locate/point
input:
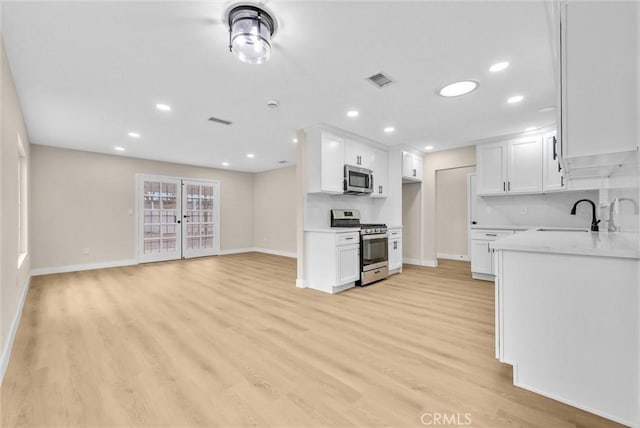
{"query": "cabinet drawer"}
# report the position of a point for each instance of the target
(347, 238)
(395, 234)
(490, 235)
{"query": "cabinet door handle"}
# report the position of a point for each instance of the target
(380, 189)
(415, 174)
(349, 238)
(509, 186)
(559, 167)
(490, 234)
(555, 152)
(488, 249)
(562, 181)
(504, 186)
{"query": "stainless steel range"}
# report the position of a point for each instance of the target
(374, 253)
(374, 248)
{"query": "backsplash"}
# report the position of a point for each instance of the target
(318, 206)
(551, 209)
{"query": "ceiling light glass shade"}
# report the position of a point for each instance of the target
(250, 31)
(458, 88)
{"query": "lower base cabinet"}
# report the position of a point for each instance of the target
(482, 266)
(395, 250)
(332, 260)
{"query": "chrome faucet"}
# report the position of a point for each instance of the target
(612, 226)
(594, 220)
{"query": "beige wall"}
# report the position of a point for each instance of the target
(411, 218)
(13, 280)
(451, 212)
(274, 210)
(457, 158)
(87, 200)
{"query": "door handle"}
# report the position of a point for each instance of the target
(415, 174)
(555, 144)
(562, 181)
(488, 249)
(380, 189)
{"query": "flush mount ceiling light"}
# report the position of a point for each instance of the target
(389, 129)
(515, 99)
(250, 31)
(251, 155)
(225, 163)
(295, 140)
(352, 113)
(133, 135)
(458, 88)
(163, 107)
(499, 66)
(119, 149)
(428, 147)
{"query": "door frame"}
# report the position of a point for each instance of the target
(138, 209)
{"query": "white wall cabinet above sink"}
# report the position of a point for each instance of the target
(598, 75)
(510, 167)
(411, 167)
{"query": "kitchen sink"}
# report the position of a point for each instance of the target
(551, 229)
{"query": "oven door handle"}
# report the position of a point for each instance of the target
(376, 236)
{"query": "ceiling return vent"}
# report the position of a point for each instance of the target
(218, 120)
(380, 80)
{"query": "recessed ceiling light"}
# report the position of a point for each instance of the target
(546, 109)
(163, 107)
(251, 155)
(458, 88)
(133, 135)
(225, 163)
(515, 99)
(295, 140)
(428, 147)
(530, 128)
(389, 129)
(499, 66)
(352, 113)
(119, 149)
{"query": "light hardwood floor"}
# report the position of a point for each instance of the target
(229, 341)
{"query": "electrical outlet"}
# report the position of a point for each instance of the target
(85, 251)
(523, 210)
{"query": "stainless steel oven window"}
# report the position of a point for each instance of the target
(374, 249)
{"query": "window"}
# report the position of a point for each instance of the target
(23, 217)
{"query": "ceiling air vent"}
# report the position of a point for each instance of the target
(218, 120)
(380, 80)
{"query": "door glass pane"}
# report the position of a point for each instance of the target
(152, 246)
(151, 231)
(168, 245)
(207, 242)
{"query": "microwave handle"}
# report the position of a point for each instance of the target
(344, 184)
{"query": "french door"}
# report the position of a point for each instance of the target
(177, 218)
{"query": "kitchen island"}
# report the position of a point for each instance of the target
(567, 305)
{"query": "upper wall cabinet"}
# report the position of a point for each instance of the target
(598, 81)
(327, 154)
(552, 176)
(411, 167)
(379, 166)
(510, 167)
(325, 163)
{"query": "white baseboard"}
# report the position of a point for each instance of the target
(292, 255)
(462, 257)
(88, 266)
(259, 250)
(418, 262)
(8, 346)
(235, 251)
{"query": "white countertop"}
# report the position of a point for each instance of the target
(500, 227)
(601, 244)
(333, 229)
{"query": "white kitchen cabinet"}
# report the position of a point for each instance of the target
(411, 167)
(510, 167)
(552, 176)
(333, 260)
(568, 324)
(325, 163)
(482, 266)
(348, 263)
(379, 166)
(395, 250)
(357, 154)
(598, 78)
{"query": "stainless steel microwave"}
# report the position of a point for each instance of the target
(357, 181)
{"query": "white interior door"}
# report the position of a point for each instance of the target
(159, 227)
(200, 218)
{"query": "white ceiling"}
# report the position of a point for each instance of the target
(87, 73)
